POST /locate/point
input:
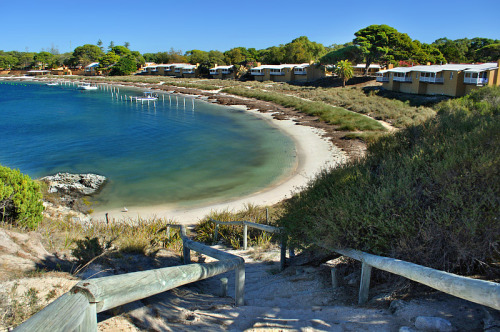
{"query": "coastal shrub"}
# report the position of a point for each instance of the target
(398, 113)
(20, 199)
(344, 119)
(430, 194)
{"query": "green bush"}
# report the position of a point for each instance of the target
(429, 194)
(20, 199)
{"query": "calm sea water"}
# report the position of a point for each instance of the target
(151, 155)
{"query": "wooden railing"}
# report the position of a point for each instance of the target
(265, 228)
(475, 290)
(76, 310)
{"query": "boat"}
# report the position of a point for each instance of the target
(53, 83)
(87, 86)
(147, 96)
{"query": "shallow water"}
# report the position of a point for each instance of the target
(163, 154)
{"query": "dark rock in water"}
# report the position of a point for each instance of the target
(74, 184)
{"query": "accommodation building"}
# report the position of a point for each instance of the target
(91, 70)
(185, 70)
(287, 72)
(223, 72)
(449, 80)
(359, 69)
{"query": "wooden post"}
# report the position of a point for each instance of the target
(364, 284)
(223, 287)
(186, 252)
(283, 251)
(239, 284)
(335, 282)
(216, 233)
(267, 215)
(245, 236)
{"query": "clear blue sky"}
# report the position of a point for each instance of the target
(158, 25)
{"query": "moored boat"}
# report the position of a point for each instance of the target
(147, 96)
(87, 86)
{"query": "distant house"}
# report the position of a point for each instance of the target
(287, 72)
(359, 69)
(185, 70)
(91, 70)
(449, 80)
(223, 72)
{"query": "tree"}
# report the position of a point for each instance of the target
(109, 59)
(351, 53)
(86, 54)
(126, 44)
(302, 50)
(111, 45)
(274, 55)
(489, 53)
(344, 70)
(125, 66)
(44, 58)
(215, 57)
(139, 59)
(176, 56)
(235, 56)
(99, 43)
(8, 61)
(197, 56)
(120, 50)
(26, 60)
(375, 42)
(453, 51)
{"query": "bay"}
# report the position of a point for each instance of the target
(164, 153)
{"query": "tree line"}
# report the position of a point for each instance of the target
(375, 43)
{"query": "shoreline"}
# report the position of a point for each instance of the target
(317, 147)
(314, 153)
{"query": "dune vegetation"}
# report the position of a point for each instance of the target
(428, 194)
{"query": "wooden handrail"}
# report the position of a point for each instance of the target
(77, 309)
(475, 290)
(265, 228)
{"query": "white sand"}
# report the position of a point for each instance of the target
(314, 153)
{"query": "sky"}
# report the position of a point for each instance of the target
(158, 25)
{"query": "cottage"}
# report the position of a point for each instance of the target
(91, 70)
(449, 80)
(287, 72)
(223, 72)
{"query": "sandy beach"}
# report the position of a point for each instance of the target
(313, 151)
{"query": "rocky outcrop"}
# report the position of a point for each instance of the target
(68, 190)
(74, 184)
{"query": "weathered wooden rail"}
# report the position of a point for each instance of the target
(77, 309)
(265, 228)
(475, 290)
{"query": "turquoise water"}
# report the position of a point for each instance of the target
(168, 154)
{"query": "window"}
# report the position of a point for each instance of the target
(451, 75)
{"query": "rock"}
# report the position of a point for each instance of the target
(396, 305)
(74, 184)
(433, 324)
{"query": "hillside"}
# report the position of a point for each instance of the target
(429, 194)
